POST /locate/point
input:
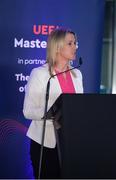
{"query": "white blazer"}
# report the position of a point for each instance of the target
(34, 102)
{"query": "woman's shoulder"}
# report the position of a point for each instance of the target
(40, 70)
(76, 71)
(39, 73)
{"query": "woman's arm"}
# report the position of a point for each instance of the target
(34, 97)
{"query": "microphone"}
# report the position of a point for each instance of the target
(52, 76)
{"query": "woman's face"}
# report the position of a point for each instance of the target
(68, 51)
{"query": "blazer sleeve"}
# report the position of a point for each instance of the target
(34, 100)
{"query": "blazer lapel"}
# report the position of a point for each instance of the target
(74, 83)
(54, 92)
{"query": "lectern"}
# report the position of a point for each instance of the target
(87, 135)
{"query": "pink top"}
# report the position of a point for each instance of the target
(66, 83)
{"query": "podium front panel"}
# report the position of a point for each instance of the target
(88, 136)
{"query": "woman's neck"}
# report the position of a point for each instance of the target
(61, 66)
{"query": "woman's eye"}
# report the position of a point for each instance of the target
(69, 44)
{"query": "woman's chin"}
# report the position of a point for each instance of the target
(73, 58)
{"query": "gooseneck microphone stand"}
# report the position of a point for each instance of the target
(45, 117)
(44, 125)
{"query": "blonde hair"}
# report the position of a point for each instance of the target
(55, 41)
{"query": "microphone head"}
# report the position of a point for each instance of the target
(80, 61)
